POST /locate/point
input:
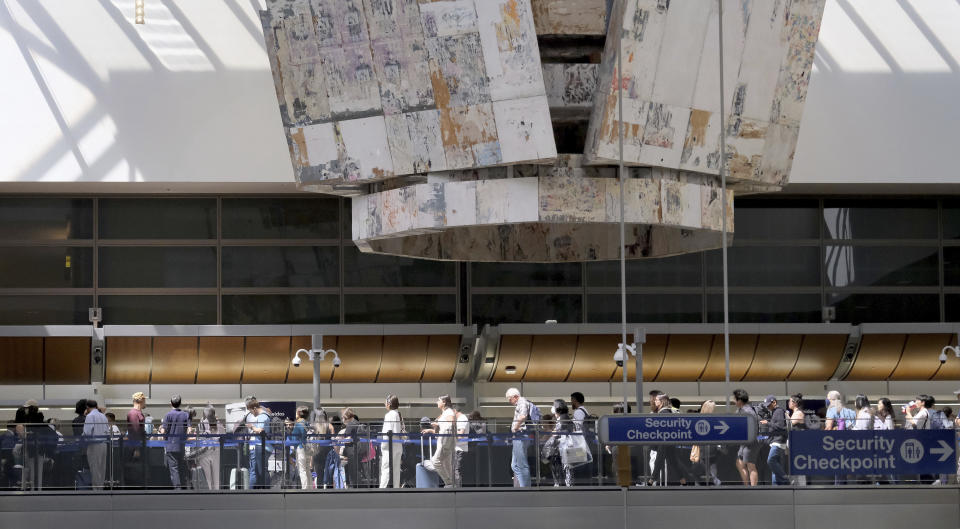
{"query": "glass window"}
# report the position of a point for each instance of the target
(951, 219)
(880, 219)
(679, 271)
(45, 267)
(951, 266)
(881, 266)
(951, 305)
(526, 275)
(766, 308)
(45, 310)
(158, 218)
(45, 218)
(280, 309)
(885, 308)
(766, 266)
(285, 266)
(373, 270)
(159, 310)
(646, 308)
(158, 267)
(527, 308)
(280, 218)
(777, 219)
(400, 308)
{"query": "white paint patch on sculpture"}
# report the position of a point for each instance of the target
(671, 109)
(373, 89)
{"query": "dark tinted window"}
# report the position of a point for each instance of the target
(766, 308)
(158, 218)
(159, 310)
(886, 308)
(951, 265)
(526, 308)
(646, 308)
(777, 219)
(287, 266)
(400, 308)
(46, 267)
(951, 305)
(46, 218)
(766, 266)
(526, 275)
(682, 270)
(44, 310)
(158, 267)
(372, 270)
(880, 219)
(280, 309)
(951, 219)
(280, 218)
(881, 266)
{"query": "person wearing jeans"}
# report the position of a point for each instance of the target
(258, 422)
(521, 413)
(777, 430)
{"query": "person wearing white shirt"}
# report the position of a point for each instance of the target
(390, 456)
(96, 428)
(442, 461)
(463, 444)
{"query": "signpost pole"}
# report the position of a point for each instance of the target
(317, 346)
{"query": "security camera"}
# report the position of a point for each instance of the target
(943, 357)
(296, 361)
(336, 361)
(618, 357)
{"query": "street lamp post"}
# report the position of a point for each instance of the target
(316, 354)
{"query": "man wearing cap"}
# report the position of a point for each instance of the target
(777, 432)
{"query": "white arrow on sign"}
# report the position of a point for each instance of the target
(944, 449)
(723, 427)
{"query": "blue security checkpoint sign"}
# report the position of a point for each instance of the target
(676, 428)
(816, 452)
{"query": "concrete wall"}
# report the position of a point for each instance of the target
(186, 102)
(597, 508)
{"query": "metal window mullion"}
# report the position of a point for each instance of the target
(584, 303)
(157, 242)
(279, 242)
(704, 304)
(47, 243)
(219, 261)
(643, 290)
(469, 293)
(885, 290)
(96, 251)
(44, 291)
(158, 291)
(531, 290)
(881, 243)
(341, 206)
(256, 291)
(822, 264)
(400, 290)
(766, 290)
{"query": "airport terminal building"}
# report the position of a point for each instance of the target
(165, 230)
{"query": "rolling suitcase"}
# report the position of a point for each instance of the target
(239, 478)
(198, 479)
(427, 479)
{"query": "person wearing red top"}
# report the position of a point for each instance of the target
(135, 439)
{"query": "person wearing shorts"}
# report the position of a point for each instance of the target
(747, 454)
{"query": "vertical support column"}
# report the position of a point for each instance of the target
(639, 338)
(317, 345)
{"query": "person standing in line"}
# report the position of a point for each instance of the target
(747, 454)
(350, 451)
(521, 414)
(174, 428)
(864, 420)
(135, 439)
(95, 430)
(442, 461)
(839, 417)
(777, 431)
(562, 427)
(258, 422)
(209, 456)
(463, 444)
(918, 413)
(299, 437)
(391, 452)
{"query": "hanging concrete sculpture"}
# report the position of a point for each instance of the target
(373, 89)
(671, 85)
(438, 118)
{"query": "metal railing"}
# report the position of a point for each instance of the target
(36, 457)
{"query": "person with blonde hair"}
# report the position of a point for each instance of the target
(839, 417)
(443, 460)
(135, 439)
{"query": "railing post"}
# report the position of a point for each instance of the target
(536, 449)
(389, 457)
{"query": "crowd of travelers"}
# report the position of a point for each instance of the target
(314, 449)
